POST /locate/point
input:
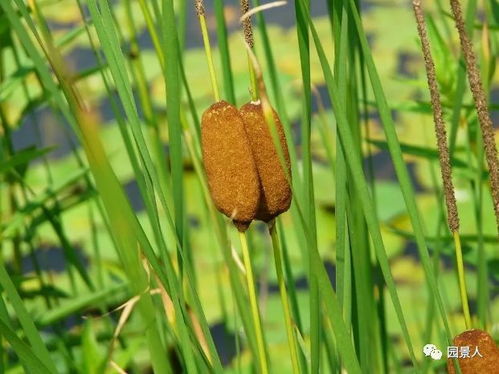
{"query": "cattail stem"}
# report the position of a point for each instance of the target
(480, 104)
(253, 81)
(254, 305)
(207, 48)
(284, 297)
(461, 279)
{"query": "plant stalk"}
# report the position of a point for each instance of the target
(284, 297)
(462, 282)
(262, 358)
(207, 48)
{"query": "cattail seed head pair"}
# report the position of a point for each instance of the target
(245, 176)
(485, 361)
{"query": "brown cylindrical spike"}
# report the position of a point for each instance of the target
(247, 26)
(485, 361)
(481, 106)
(228, 161)
(199, 8)
(275, 189)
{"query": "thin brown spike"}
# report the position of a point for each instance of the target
(247, 26)
(199, 8)
(480, 104)
(443, 150)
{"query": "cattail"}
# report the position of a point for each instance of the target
(228, 161)
(274, 180)
(483, 353)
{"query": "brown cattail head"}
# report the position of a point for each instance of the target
(274, 180)
(488, 363)
(228, 161)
